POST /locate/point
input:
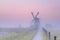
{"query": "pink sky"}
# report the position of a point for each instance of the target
(19, 11)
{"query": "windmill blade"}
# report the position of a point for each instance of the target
(32, 14)
(37, 14)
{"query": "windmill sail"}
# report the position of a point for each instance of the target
(32, 14)
(37, 14)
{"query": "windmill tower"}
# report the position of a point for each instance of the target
(35, 20)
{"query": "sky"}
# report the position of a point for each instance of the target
(15, 12)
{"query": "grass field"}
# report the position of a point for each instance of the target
(24, 35)
(55, 33)
(52, 34)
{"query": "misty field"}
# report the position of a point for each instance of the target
(24, 35)
(52, 34)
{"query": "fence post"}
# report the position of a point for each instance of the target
(49, 35)
(55, 37)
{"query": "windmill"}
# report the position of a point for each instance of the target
(35, 21)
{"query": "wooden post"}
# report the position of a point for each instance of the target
(49, 35)
(54, 37)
